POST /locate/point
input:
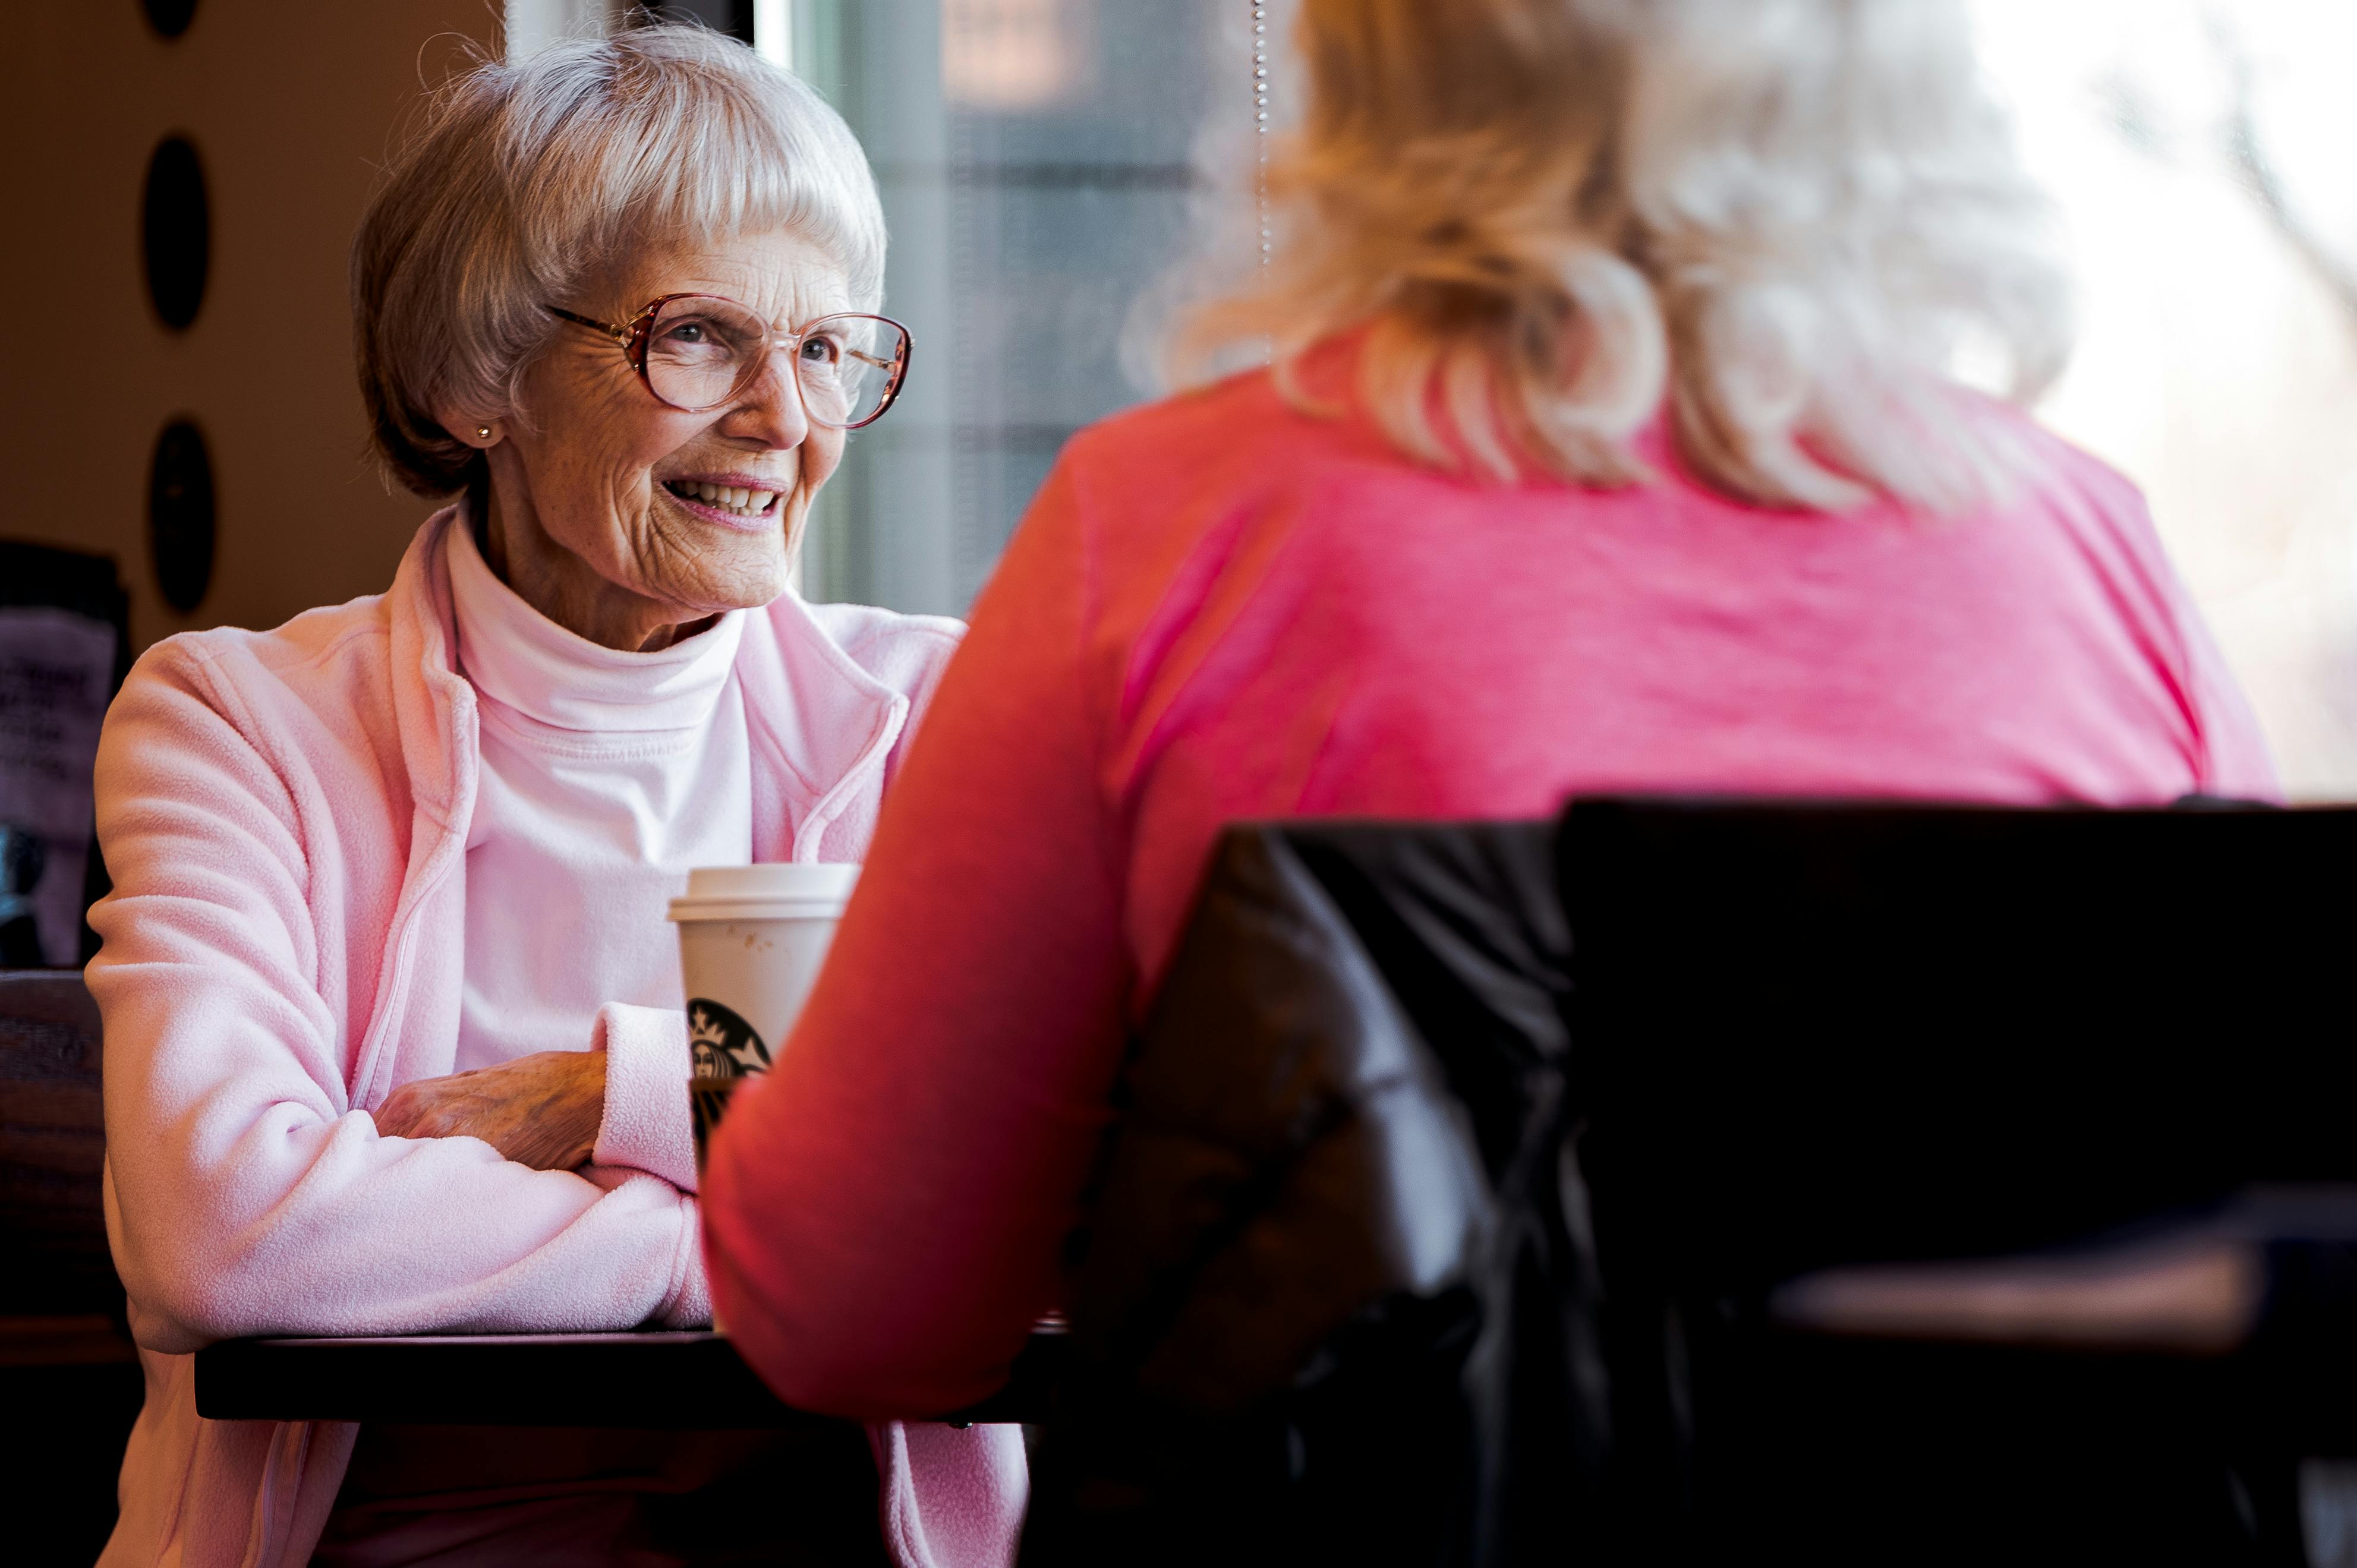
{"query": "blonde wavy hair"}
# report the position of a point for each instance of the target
(1791, 219)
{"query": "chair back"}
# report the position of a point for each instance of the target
(1833, 1032)
(1818, 1035)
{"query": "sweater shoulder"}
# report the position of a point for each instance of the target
(316, 645)
(2101, 494)
(906, 652)
(1145, 481)
(326, 669)
(1241, 413)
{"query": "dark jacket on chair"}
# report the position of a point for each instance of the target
(1336, 1300)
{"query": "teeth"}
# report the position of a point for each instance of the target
(730, 498)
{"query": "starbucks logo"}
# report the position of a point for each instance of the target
(722, 1044)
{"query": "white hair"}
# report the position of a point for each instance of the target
(520, 182)
(1785, 219)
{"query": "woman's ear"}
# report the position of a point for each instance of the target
(474, 430)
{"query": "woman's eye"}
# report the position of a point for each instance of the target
(685, 332)
(821, 350)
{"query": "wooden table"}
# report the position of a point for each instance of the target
(647, 1379)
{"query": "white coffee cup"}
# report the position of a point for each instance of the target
(752, 940)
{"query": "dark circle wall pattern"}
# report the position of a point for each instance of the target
(180, 515)
(176, 232)
(176, 239)
(169, 17)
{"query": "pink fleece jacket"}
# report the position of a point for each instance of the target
(1220, 610)
(285, 814)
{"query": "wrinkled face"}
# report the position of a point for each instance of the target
(640, 492)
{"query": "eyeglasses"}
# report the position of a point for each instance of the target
(697, 352)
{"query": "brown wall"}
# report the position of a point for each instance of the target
(289, 103)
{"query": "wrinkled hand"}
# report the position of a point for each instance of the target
(540, 1110)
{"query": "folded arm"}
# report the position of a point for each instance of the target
(250, 1195)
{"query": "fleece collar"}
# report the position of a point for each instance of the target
(820, 723)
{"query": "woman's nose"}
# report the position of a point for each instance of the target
(772, 412)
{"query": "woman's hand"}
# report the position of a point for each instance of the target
(540, 1110)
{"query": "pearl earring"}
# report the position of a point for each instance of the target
(482, 432)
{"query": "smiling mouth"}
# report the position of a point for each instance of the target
(733, 500)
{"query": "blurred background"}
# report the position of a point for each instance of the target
(2199, 151)
(181, 444)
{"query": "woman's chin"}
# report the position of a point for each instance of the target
(724, 562)
(718, 592)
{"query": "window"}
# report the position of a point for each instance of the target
(1034, 159)
(2198, 151)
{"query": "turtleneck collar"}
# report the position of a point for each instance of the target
(518, 658)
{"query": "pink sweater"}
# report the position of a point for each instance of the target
(286, 816)
(1218, 610)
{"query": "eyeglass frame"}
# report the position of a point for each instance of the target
(633, 338)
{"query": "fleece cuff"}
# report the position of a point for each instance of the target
(647, 1124)
(689, 1304)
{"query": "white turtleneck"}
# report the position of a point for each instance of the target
(606, 776)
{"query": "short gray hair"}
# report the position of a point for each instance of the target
(520, 181)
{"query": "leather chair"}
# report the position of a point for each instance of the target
(1875, 1037)
(1445, 1211)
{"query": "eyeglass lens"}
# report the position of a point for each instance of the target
(704, 352)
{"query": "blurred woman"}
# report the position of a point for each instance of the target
(1610, 444)
(394, 1030)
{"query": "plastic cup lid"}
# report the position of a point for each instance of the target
(774, 891)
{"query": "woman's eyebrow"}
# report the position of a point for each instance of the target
(785, 321)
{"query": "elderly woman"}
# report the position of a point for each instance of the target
(392, 1013)
(1611, 446)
